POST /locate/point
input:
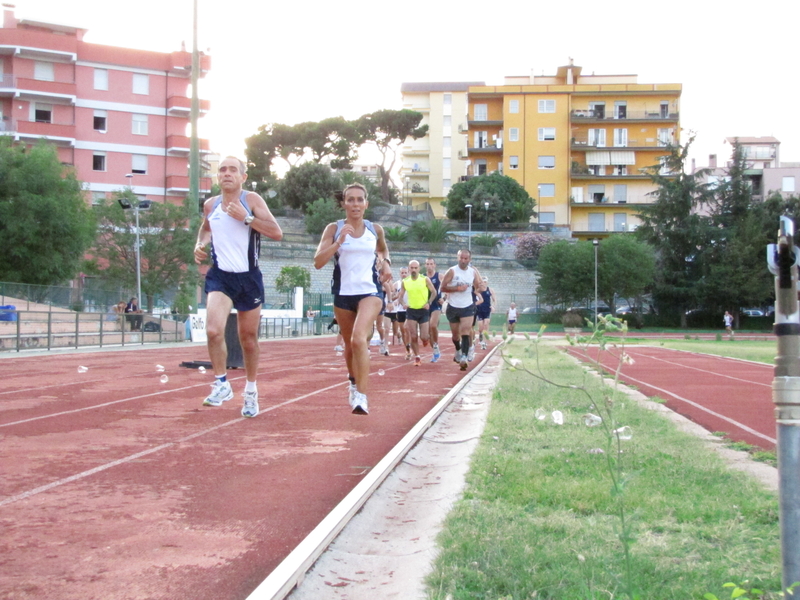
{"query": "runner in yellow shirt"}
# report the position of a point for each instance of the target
(420, 292)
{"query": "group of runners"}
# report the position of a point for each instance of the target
(366, 296)
(413, 306)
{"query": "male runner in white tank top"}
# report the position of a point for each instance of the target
(458, 283)
(233, 224)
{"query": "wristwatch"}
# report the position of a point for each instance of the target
(249, 219)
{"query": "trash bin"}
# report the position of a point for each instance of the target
(8, 313)
(235, 354)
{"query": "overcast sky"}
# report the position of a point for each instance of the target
(289, 62)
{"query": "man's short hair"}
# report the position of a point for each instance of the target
(242, 165)
(466, 251)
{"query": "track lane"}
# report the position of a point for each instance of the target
(721, 394)
(139, 492)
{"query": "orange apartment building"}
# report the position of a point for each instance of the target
(111, 112)
(581, 145)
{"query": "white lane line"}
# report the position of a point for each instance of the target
(104, 404)
(683, 366)
(127, 459)
(704, 409)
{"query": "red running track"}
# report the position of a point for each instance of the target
(721, 394)
(116, 485)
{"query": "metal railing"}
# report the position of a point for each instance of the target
(42, 330)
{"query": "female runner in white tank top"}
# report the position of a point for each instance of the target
(361, 266)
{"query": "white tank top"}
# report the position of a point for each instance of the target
(357, 264)
(461, 277)
(234, 245)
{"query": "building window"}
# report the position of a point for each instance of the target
(620, 138)
(101, 79)
(547, 134)
(664, 109)
(447, 99)
(665, 137)
(597, 222)
(141, 84)
(547, 162)
(42, 113)
(513, 106)
(139, 125)
(100, 121)
(620, 222)
(547, 218)
(547, 106)
(597, 137)
(620, 193)
(788, 184)
(447, 141)
(446, 186)
(620, 110)
(44, 71)
(513, 162)
(446, 164)
(513, 134)
(99, 161)
(597, 110)
(447, 122)
(481, 112)
(98, 198)
(547, 190)
(139, 164)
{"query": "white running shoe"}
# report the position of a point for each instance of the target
(338, 349)
(457, 357)
(384, 349)
(359, 404)
(471, 353)
(352, 390)
(250, 408)
(463, 363)
(220, 392)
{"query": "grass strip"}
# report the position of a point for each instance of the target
(538, 520)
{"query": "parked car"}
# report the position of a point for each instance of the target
(753, 312)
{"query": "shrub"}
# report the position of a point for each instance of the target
(292, 277)
(430, 232)
(572, 319)
(529, 245)
(321, 212)
(396, 234)
(486, 240)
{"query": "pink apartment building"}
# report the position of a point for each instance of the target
(110, 111)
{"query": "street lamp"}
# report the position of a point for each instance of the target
(469, 239)
(486, 222)
(596, 243)
(139, 205)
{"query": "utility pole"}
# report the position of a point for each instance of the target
(782, 259)
(193, 202)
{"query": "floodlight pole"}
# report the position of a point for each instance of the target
(138, 255)
(782, 259)
(595, 243)
(469, 239)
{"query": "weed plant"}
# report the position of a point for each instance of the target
(541, 513)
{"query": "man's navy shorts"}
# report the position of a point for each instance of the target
(246, 290)
(454, 315)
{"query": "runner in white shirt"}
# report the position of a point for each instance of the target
(458, 283)
(361, 266)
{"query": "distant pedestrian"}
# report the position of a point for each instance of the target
(134, 314)
(511, 317)
(728, 320)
